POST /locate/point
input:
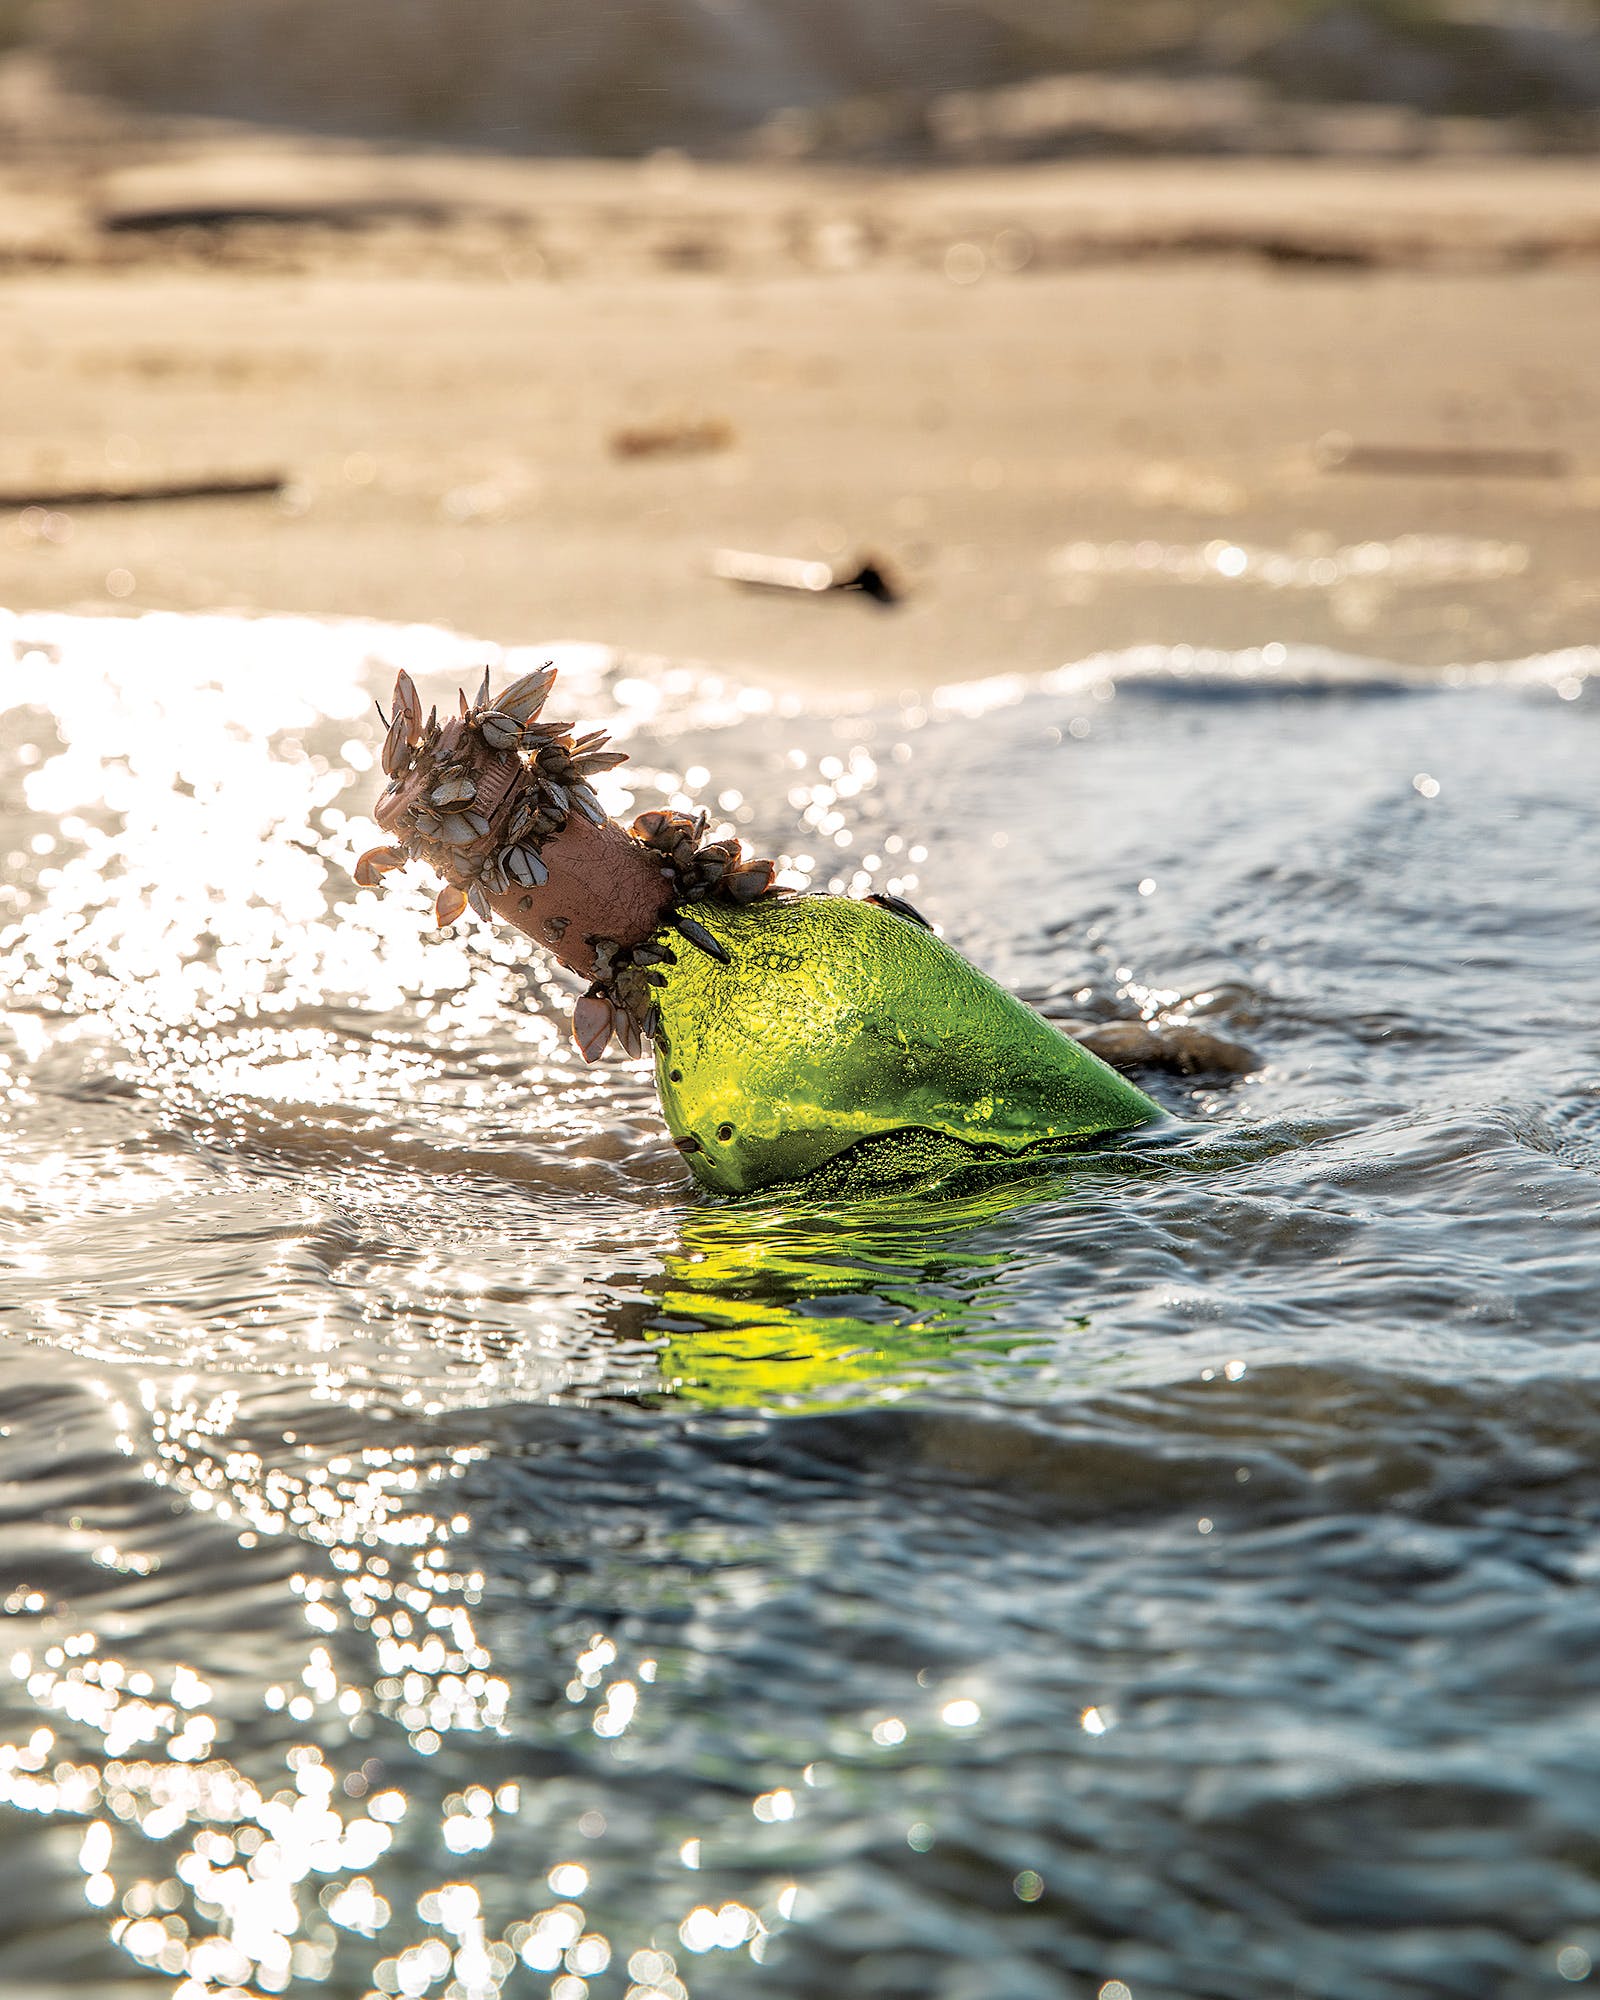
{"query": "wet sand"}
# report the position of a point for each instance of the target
(1072, 406)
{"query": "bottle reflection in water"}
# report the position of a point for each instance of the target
(796, 1302)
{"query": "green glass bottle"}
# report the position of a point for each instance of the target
(793, 1034)
(838, 1025)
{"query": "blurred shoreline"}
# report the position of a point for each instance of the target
(903, 81)
(1071, 405)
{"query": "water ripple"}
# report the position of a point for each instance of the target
(441, 1555)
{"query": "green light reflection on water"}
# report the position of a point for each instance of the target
(794, 1302)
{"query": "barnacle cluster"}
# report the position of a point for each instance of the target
(480, 822)
(479, 795)
(697, 870)
(621, 1002)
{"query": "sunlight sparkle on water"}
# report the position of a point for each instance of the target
(422, 1578)
(191, 919)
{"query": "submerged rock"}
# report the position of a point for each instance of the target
(1177, 1046)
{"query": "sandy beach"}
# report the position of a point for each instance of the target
(1069, 406)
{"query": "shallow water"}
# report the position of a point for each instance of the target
(443, 1555)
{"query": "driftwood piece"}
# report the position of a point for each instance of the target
(360, 213)
(1338, 453)
(221, 486)
(867, 575)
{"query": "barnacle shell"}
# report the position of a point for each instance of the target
(592, 1021)
(408, 706)
(524, 865)
(749, 883)
(697, 934)
(376, 862)
(524, 698)
(397, 745)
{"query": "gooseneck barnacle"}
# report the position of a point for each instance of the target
(497, 801)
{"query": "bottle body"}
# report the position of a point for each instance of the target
(837, 1022)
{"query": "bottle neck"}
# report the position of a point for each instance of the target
(603, 889)
(581, 889)
(499, 803)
